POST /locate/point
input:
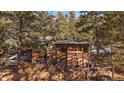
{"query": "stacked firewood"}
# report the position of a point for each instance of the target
(39, 72)
(6, 75)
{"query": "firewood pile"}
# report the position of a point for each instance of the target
(73, 56)
(38, 72)
(102, 75)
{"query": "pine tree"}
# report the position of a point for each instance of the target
(72, 29)
(19, 28)
(61, 26)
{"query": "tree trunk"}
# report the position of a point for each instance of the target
(45, 59)
(18, 55)
(20, 40)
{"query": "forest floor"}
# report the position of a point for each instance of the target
(38, 72)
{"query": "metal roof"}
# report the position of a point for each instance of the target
(71, 42)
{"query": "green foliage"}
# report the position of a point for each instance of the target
(103, 28)
(26, 28)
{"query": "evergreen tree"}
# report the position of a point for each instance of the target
(72, 29)
(61, 26)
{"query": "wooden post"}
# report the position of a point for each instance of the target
(83, 64)
(88, 66)
(113, 72)
(45, 58)
(88, 71)
(66, 63)
(56, 54)
(83, 73)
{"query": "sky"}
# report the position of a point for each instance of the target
(55, 12)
